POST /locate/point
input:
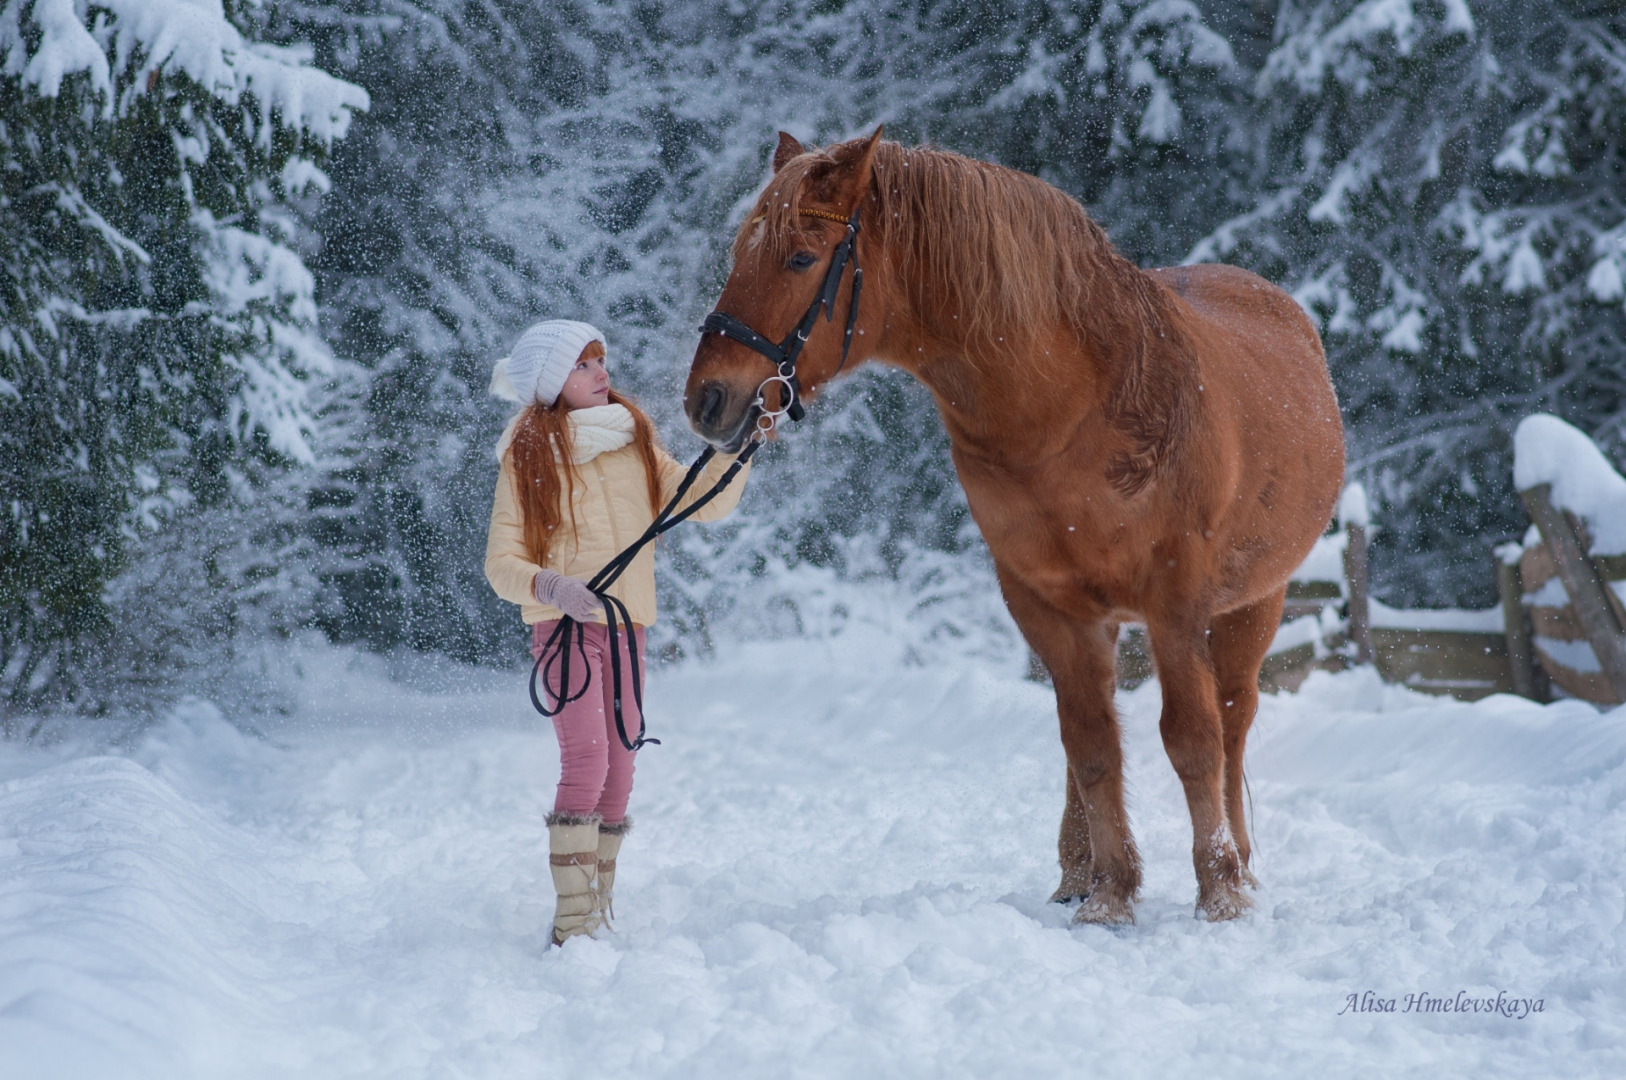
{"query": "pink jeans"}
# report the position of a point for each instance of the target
(595, 770)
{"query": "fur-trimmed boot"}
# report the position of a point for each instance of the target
(573, 857)
(609, 846)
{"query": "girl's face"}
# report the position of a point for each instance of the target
(588, 384)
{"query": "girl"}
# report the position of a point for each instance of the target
(581, 476)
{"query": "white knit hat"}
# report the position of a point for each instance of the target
(541, 361)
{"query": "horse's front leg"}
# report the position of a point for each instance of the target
(1192, 736)
(1091, 737)
(1099, 860)
(1073, 848)
(1073, 839)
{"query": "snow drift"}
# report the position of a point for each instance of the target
(839, 869)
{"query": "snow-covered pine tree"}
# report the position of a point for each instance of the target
(157, 330)
(1438, 182)
(1125, 105)
(1556, 238)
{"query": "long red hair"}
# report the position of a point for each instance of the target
(545, 477)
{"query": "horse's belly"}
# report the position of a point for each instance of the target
(1063, 553)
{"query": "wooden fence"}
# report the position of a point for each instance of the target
(1559, 630)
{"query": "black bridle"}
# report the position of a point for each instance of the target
(783, 355)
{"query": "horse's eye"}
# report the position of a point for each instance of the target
(802, 260)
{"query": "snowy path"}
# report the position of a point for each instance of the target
(833, 876)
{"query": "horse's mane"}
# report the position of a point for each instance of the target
(1010, 257)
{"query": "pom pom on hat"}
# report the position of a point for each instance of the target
(541, 360)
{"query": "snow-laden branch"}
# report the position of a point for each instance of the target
(106, 39)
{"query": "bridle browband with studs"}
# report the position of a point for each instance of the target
(783, 355)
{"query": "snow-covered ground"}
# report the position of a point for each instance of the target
(840, 870)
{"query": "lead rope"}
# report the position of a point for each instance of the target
(783, 356)
(557, 649)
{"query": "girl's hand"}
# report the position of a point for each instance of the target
(567, 594)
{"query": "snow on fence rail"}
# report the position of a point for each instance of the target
(1560, 626)
(1573, 567)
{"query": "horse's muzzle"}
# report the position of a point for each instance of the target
(722, 415)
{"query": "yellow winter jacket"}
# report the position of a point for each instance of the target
(611, 500)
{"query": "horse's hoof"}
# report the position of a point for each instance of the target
(1099, 910)
(1223, 904)
(1074, 886)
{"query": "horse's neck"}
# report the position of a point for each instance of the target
(1022, 395)
(1001, 400)
(998, 404)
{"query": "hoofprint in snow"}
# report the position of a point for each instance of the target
(839, 869)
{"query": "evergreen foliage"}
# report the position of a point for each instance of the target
(1356, 152)
(1439, 184)
(157, 333)
(1437, 181)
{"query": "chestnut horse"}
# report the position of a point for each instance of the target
(1156, 446)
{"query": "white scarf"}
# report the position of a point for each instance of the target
(598, 430)
(593, 431)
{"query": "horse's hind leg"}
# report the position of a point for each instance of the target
(1238, 644)
(1192, 735)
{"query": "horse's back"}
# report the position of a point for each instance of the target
(1243, 304)
(1253, 339)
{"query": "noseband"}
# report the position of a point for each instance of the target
(783, 355)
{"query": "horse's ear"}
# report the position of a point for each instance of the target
(855, 163)
(788, 148)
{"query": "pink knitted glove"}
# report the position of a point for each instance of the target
(567, 594)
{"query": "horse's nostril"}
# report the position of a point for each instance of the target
(711, 404)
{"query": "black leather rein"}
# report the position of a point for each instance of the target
(554, 656)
